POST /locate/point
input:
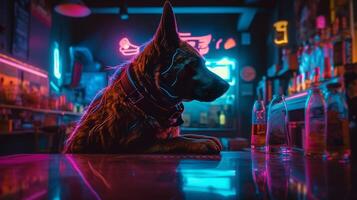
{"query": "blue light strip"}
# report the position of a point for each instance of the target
(56, 62)
(177, 10)
(54, 86)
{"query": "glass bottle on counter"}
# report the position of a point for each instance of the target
(278, 137)
(338, 143)
(259, 124)
(315, 124)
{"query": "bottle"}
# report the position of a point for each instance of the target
(292, 89)
(259, 125)
(222, 118)
(347, 42)
(2, 90)
(315, 124)
(278, 137)
(338, 142)
(203, 119)
(10, 93)
(307, 82)
(316, 77)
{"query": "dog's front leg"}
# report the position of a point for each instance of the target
(214, 139)
(183, 144)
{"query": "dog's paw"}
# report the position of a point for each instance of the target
(214, 139)
(203, 146)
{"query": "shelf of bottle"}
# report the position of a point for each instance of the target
(297, 101)
(18, 132)
(39, 110)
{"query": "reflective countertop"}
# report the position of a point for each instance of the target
(231, 175)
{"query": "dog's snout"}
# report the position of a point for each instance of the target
(224, 86)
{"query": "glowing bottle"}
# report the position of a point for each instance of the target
(315, 124)
(259, 125)
(278, 137)
(338, 142)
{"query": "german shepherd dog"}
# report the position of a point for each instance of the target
(140, 110)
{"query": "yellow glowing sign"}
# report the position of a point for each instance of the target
(281, 32)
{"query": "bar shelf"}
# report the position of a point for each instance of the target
(40, 110)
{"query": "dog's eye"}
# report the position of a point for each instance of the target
(190, 69)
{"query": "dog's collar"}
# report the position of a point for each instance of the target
(141, 99)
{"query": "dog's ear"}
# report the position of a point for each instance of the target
(166, 34)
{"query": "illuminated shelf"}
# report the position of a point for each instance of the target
(18, 132)
(39, 110)
(298, 101)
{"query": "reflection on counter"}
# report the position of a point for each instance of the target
(232, 175)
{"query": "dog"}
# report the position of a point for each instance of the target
(140, 109)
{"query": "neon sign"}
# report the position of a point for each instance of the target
(281, 32)
(201, 43)
(229, 44)
(223, 68)
(321, 22)
(218, 43)
(56, 62)
(127, 48)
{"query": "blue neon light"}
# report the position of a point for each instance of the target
(224, 68)
(56, 62)
(221, 71)
(54, 86)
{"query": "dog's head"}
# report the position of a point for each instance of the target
(176, 67)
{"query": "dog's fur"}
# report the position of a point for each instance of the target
(112, 125)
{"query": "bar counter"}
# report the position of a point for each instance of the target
(230, 175)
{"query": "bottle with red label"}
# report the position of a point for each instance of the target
(259, 125)
(338, 142)
(315, 124)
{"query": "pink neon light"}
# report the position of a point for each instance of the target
(201, 43)
(218, 43)
(321, 22)
(37, 195)
(76, 168)
(296, 96)
(126, 48)
(20, 65)
(73, 10)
